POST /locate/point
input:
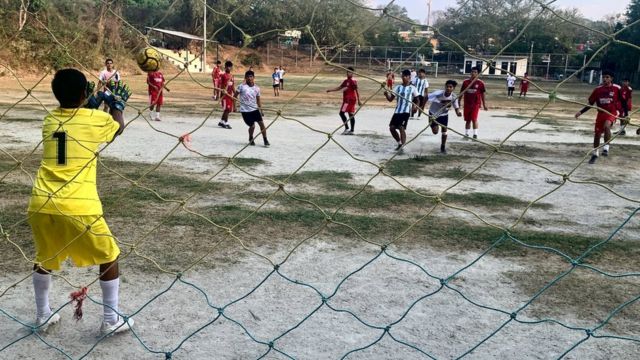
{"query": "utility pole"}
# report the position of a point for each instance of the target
(204, 39)
(531, 60)
(428, 12)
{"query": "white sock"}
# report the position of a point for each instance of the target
(110, 299)
(594, 152)
(152, 115)
(606, 148)
(158, 115)
(475, 131)
(466, 132)
(41, 287)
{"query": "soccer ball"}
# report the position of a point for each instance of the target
(148, 59)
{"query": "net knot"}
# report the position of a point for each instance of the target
(575, 263)
(553, 95)
(28, 91)
(384, 247)
(589, 332)
(88, 227)
(443, 282)
(387, 328)
(324, 300)
(327, 218)
(78, 297)
(271, 344)
(380, 168)
(168, 355)
(220, 311)
(513, 316)
(276, 267)
(179, 275)
(565, 177)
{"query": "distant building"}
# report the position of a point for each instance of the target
(502, 65)
(415, 34)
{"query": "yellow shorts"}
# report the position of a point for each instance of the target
(59, 237)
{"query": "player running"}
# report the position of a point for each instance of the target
(350, 96)
(251, 106)
(228, 88)
(65, 212)
(405, 93)
(626, 93)
(422, 85)
(472, 99)
(441, 101)
(608, 100)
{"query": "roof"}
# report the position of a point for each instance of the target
(487, 57)
(178, 33)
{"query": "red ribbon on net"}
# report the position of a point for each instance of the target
(78, 297)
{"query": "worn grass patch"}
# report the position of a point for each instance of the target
(330, 180)
(414, 165)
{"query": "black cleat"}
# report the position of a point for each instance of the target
(251, 142)
(266, 143)
(593, 159)
(399, 147)
(475, 136)
(605, 152)
(221, 124)
(443, 150)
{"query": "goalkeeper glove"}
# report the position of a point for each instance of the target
(120, 93)
(93, 100)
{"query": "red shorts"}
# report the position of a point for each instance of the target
(156, 98)
(389, 83)
(471, 113)
(227, 103)
(348, 106)
(216, 83)
(601, 122)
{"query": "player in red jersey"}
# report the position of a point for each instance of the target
(228, 89)
(215, 76)
(625, 92)
(390, 78)
(350, 96)
(608, 100)
(155, 80)
(524, 85)
(472, 98)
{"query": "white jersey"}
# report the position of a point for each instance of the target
(106, 76)
(414, 76)
(511, 81)
(421, 85)
(281, 74)
(248, 96)
(440, 102)
(405, 95)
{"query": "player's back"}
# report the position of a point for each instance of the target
(71, 138)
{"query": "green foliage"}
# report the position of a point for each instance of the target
(252, 59)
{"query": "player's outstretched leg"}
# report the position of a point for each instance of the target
(344, 122)
(263, 130)
(352, 121)
(251, 130)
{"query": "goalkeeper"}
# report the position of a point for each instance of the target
(65, 212)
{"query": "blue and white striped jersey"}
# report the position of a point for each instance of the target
(421, 84)
(405, 95)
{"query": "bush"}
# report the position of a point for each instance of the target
(252, 59)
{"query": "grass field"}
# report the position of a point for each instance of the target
(322, 209)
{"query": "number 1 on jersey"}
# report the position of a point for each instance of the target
(61, 138)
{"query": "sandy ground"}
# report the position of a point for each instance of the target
(386, 292)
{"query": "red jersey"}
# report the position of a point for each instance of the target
(524, 83)
(473, 96)
(349, 89)
(625, 93)
(226, 83)
(606, 98)
(155, 79)
(216, 73)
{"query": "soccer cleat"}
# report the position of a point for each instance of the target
(43, 322)
(475, 136)
(266, 143)
(621, 133)
(593, 159)
(638, 131)
(350, 132)
(120, 326)
(227, 126)
(346, 131)
(605, 152)
(221, 124)
(157, 119)
(251, 142)
(399, 147)
(443, 149)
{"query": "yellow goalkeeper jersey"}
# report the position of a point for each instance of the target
(66, 180)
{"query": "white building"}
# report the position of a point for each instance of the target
(502, 65)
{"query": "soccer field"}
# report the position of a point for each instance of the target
(325, 246)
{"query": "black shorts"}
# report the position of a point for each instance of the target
(252, 117)
(399, 120)
(420, 101)
(442, 120)
(276, 85)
